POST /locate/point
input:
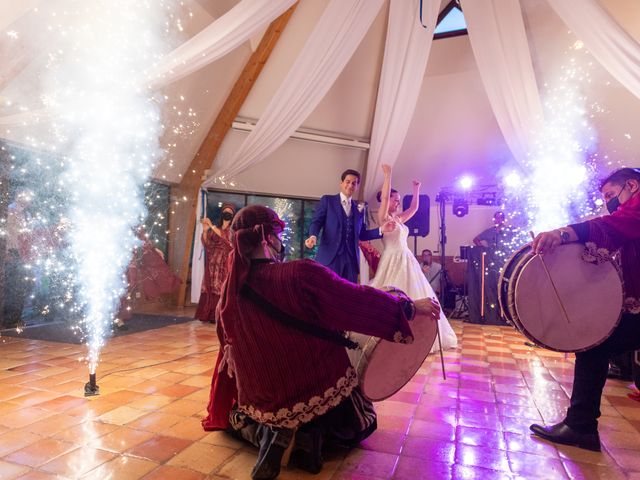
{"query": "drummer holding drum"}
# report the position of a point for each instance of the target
(282, 322)
(618, 233)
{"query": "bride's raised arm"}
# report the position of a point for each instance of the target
(415, 203)
(383, 211)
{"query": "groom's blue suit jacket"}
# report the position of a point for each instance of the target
(331, 219)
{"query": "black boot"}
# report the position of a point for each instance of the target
(307, 451)
(273, 444)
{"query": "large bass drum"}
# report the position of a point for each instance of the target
(569, 306)
(385, 367)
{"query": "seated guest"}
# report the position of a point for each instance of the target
(282, 325)
(431, 270)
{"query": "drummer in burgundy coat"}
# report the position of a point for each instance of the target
(288, 378)
(604, 236)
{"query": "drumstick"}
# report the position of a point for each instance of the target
(482, 287)
(553, 285)
(444, 374)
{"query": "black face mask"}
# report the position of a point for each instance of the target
(280, 252)
(228, 216)
(614, 203)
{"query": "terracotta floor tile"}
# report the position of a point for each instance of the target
(481, 436)
(77, 462)
(385, 441)
(15, 440)
(178, 390)
(159, 448)
(156, 422)
(123, 468)
(482, 457)
(182, 407)
(627, 459)
(122, 415)
(424, 447)
(120, 439)
(11, 470)
(413, 468)
(465, 472)
(40, 452)
(367, 462)
(85, 432)
(23, 417)
(438, 430)
(38, 475)
(165, 472)
(202, 457)
(586, 471)
(527, 465)
(188, 428)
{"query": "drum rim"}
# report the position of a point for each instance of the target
(537, 342)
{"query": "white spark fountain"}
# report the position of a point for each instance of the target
(108, 127)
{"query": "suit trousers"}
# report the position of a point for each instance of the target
(590, 374)
(345, 265)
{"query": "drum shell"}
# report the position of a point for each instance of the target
(572, 308)
(385, 367)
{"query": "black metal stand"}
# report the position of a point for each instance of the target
(445, 280)
(91, 388)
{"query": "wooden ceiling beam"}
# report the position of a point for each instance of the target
(182, 217)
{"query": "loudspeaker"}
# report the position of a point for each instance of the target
(419, 223)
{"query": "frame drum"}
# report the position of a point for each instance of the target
(570, 306)
(385, 367)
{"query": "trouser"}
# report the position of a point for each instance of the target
(345, 265)
(590, 374)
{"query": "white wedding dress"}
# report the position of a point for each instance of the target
(399, 268)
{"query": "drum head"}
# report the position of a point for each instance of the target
(583, 312)
(385, 367)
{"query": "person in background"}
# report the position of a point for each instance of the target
(432, 270)
(342, 223)
(217, 242)
(495, 236)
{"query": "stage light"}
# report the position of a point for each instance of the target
(488, 199)
(512, 180)
(460, 207)
(465, 182)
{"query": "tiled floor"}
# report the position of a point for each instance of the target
(154, 389)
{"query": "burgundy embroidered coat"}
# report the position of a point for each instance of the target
(217, 249)
(285, 377)
(619, 231)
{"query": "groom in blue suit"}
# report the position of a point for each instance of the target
(342, 224)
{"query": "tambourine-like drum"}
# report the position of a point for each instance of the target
(385, 367)
(560, 301)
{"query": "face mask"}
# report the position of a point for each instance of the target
(614, 203)
(228, 216)
(279, 252)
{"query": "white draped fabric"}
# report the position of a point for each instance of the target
(499, 43)
(228, 32)
(406, 51)
(12, 10)
(331, 44)
(197, 256)
(609, 43)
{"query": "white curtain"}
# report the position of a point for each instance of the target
(331, 44)
(197, 255)
(12, 10)
(225, 34)
(499, 43)
(609, 43)
(406, 52)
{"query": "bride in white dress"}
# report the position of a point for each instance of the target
(398, 266)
